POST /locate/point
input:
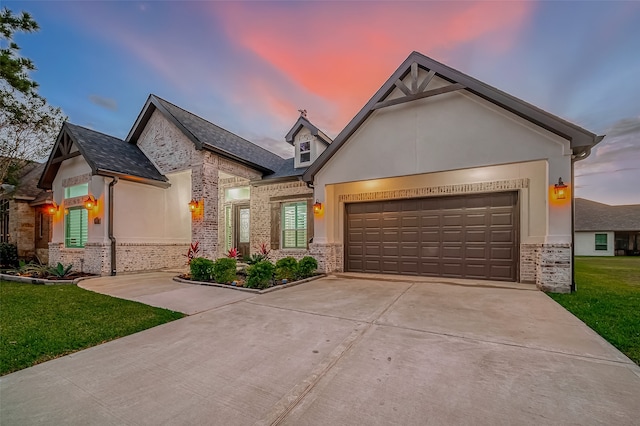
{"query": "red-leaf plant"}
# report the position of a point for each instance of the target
(192, 253)
(233, 253)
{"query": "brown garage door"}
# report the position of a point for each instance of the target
(471, 236)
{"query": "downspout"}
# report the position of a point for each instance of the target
(110, 229)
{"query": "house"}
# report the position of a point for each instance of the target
(176, 179)
(604, 230)
(439, 175)
(24, 214)
(442, 175)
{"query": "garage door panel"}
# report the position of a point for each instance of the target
(452, 252)
(502, 235)
(476, 236)
(430, 251)
(451, 236)
(475, 252)
(473, 236)
(476, 219)
(476, 270)
(501, 218)
(452, 220)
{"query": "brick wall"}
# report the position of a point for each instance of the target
(22, 230)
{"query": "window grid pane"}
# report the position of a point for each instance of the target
(601, 241)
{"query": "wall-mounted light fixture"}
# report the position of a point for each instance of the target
(317, 207)
(193, 205)
(90, 202)
(560, 190)
(51, 208)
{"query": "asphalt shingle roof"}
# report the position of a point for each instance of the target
(594, 216)
(286, 169)
(108, 153)
(212, 136)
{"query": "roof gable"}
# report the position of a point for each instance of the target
(106, 155)
(304, 122)
(581, 140)
(206, 135)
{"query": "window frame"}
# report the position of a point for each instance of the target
(301, 207)
(301, 152)
(600, 245)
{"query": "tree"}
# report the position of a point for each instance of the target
(28, 124)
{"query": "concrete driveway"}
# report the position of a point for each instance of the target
(337, 351)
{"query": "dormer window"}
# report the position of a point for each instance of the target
(305, 152)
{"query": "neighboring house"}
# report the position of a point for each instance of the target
(604, 230)
(442, 175)
(240, 194)
(24, 217)
(438, 175)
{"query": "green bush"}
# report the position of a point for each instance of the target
(8, 255)
(307, 267)
(260, 274)
(286, 268)
(60, 271)
(224, 270)
(201, 269)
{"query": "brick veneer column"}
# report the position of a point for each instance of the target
(204, 187)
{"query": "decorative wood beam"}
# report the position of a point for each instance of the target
(400, 85)
(65, 157)
(416, 96)
(414, 77)
(426, 81)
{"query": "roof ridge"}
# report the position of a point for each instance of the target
(92, 130)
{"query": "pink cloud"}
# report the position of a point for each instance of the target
(343, 52)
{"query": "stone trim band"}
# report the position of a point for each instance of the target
(463, 188)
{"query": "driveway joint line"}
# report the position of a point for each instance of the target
(515, 345)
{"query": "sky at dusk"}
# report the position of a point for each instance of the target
(249, 66)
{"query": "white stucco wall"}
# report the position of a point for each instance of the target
(148, 214)
(446, 139)
(317, 146)
(585, 244)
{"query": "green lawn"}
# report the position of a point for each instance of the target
(39, 323)
(608, 300)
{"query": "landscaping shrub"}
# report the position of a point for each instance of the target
(8, 255)
(286, 268)
(307, 267)
(260, 274)
(60, 271)
(201, 269)
(224, 270)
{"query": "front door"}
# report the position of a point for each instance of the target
(241, 224)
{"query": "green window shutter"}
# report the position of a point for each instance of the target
(76, 227)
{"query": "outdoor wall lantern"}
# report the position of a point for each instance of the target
(52, 208)
(560, 189)
(193, 205)
(90, 202)
(317, 207)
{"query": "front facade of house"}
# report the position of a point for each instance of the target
(143, 187)
(438, 175)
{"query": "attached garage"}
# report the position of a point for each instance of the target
(473, 236)
(442, 175)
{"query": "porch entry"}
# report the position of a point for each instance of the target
(240, 228)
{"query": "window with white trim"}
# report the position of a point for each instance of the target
(601, 241)
(294, 225)
(305, 152)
